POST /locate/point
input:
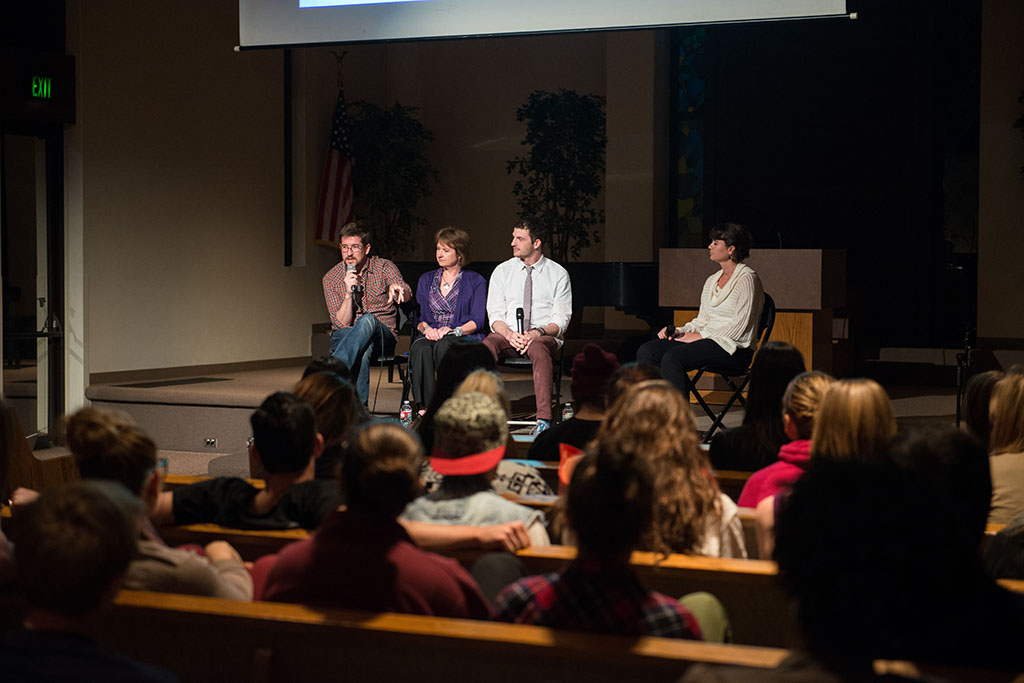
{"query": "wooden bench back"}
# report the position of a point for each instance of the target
(25, 469)
(731, 482)
(747, 588)
(207, 639)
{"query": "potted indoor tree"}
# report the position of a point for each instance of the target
(562, 173)
(391, 173)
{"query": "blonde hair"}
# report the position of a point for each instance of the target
(1006, 410)
(803, 399)
(854, 420)
(651, 421)
(489, 383)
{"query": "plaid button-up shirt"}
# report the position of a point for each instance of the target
(377, 275)
(587, 597)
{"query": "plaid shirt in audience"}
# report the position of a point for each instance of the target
(377, 275)
(587, 597)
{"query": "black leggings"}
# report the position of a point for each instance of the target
(675, 359)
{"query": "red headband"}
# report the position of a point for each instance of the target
(478, 463)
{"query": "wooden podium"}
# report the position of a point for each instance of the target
(807, 284)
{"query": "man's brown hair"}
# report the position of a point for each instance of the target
(356, 229)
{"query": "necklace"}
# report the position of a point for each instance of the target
(446, 286)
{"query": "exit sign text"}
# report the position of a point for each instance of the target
(42, 87)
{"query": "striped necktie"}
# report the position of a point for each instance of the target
(527, 298)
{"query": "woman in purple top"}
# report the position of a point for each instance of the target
(452, 303)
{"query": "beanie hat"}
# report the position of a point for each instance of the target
(470, 433)
(591, 369)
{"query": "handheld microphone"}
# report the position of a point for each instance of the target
(357, 290)
(519, 320)
(670, 331)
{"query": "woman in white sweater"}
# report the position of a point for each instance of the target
(724, 333)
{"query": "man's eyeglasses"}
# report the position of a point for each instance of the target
(346, 249)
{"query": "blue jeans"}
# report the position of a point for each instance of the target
(358, 345)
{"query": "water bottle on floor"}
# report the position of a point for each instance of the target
(405, 414)
(567, 412)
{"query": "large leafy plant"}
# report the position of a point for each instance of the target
(562, 174)
(391, 173)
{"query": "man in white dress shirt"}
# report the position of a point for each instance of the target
(541, 288)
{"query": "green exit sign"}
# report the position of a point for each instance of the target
(42, 87)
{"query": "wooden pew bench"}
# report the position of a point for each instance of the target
(538, 502)
(747, 588)
(732, 482)
(25, 468)
(176, 481)
(251, 545)
(207, 639)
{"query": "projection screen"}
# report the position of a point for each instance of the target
(271, 23)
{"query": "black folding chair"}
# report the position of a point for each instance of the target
(764, 332)
(393, 361)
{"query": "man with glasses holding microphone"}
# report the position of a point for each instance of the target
(362, 294)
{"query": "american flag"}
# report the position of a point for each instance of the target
(336, 206)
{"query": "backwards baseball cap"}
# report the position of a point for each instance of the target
(470, 433)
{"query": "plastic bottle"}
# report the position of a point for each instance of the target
(567, 412)
(405, 414)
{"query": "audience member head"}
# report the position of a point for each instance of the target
(955, 465)
(537, 228)
(857, 551)
(977, 397)
(336, 405)
(457, 239)
(489, 383)
(284, 433)
(854, 421)
(463, 357)
(775, 364)
(626, 376)
(73, 544)
(1006, 411)
(610, 503)
(470, 436)
(107, 444)
(328, 364)
(651, 421)
(380, 469)
(734, 235)
(801, 401)
(592, 368)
